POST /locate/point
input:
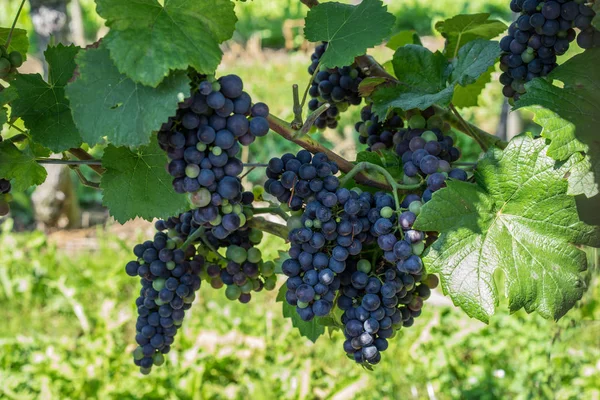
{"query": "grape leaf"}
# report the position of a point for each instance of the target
(3, 117)
(19, 41)
(517, 218)
(108, 104)
(309, 329)
(468, 96)
(427, 78)
(43, 105)
(350, 30)
(403, 38)
(136, 184)
(596, 19)
(147, 39)
(20, 167)
(370, 157)
(368, 85)
(461, 29)
(570, 115)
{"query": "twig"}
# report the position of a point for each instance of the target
(310, 121)
(310, 82)
(310, 3)
(270, 227)
(284, 129)
(297, 122)
(271, 210)
(192, 238)
(18, 138)
(12, 28)
(84, 155)
(483, 142)
(247, 172)
(256, 165)
(84, 181)
(67, 162)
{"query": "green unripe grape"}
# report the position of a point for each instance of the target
(171, 244)
(4, 67)
(256, 284)
(217, 220)
(227, 209)
(267, 269)
(435, 122)
(356, 190)
(141, 261)
(294, 222)
(364, 266)
(313, 130)
(386, 212)
(368, 124)
(200, 146)
(177, 323)
(418, 248)
(192, 171)
(159, 302)
(237, 209)
(224, 202)
(16, 59)
(217, 151)
(429, 136)
(317, 297)
(242, 219)
(271, 282)
(158, 359)
(255, 236)
(216, 86)
(258, 192)
(354, 73)
(145, 371)
(138, 354)
(317, 224)
(204, 275)
(233, 292)
(247, 287)
(417, 121)
(248, 213)
(158, 284)
(201, 198)
(415, 207)
(236, 254)
(190, 299)
(446, 128)
(410, 180)
(527, 57)
(254, 255)
(171, 265)
(301, 304)
(363, 130)
(342, 107)
(308, 223)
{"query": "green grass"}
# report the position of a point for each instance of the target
(68, 325)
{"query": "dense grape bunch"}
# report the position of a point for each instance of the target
(542, 32)
(5, 188)
(378, 135)
(294, 179)
(203, 139)
(9, 62)
(170, 279)
(336, 86)
(427, 152)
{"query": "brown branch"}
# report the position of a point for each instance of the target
(310, 3)
(270, 227)
(285, 130)
(84, 155)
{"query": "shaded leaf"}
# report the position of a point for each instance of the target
(461, 29)
(20, 167)
(19, 41)
(403, 38)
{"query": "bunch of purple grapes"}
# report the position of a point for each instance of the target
(542, 32)
(377, 134)
(336, 86)
(203, 139)
(5, 188)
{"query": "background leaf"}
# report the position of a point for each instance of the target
(473, 60)
(19, 41)
(350, 30)
(136, 184)
(43, 105)
(517, 218)
(468, 96)
(20, 167)
(147, 39)
(461, 29)
(108, 104)
(403, 38)
(309, 329)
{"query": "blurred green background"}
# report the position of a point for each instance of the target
(68, 310)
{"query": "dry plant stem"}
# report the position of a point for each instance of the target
(285, 130)
(310, 121)
(270, 227)
(84, 155)
(84, 181)
(297, 123)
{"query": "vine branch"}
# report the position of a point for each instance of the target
(271, 210)
(67, 162)
(85, 156)
(270, 227)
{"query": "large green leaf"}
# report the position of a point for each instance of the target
(43, 105)
(403, 38)
(468, 96)
(136, 184)
(350, 30)
(427, 78)
(147, 39)
(570, 115)
(20, 167)
(461, 29)
(108, 104)
(517, 218)
(19, 41)
(3, 116)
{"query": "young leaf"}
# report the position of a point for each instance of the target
(403, 38)
(468, 96)
(108, 104)
(147, 40)
(20, 167)
(570, 115)
(3, 116)
(368, 85)
(461, 29)
(474, 59)
(309, 329)
(19, 41)
(517, 218)
(43, 105)
(350, 30)
(136, 184)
